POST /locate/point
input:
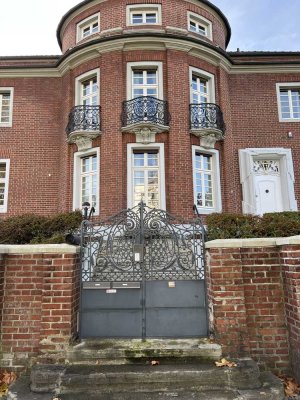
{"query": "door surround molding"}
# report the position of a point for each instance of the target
(246, 163)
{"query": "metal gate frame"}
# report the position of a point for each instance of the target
(138, 245)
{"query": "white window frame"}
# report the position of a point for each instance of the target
(158, 65)
(9, 90)
(89, 21)
(143, 9)
(216, 180)
(198, 19)
(211, 97)
(82, 78)
(286, 85)
(161, 156)
(3, 209)
(77, 175)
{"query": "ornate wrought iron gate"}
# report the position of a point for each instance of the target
(143, 276)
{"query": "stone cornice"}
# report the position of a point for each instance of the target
(146, 41)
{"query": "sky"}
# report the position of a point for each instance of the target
(269, 25)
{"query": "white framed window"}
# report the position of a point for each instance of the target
(143, 14)
(146, 175)
(202, 85)
(144, 79)
(4, 180)
(86, 179)
(87, 86)
(206, 179)
(6, 106)
(200, 25)
(288, 98)
(89, 26)
(144, 82)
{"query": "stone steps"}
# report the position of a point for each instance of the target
(122, 378)
(122, 370)
(114, 351)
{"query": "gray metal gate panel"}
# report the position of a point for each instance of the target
(116, 314)
(178, 311)
(143, 276)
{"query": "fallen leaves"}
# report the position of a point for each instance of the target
(6, 379)
(291, 387)
(225, 363)
(154, 362)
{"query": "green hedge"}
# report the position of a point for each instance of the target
(232, 226)
(35, 229)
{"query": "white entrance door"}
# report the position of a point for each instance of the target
(268, 188)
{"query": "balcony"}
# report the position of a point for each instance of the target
(145, 116)
(84, 125)
(206, 122)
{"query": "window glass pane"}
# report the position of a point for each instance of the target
(94, 161)
(207, 162)
(151, 18)
(201, 30)
(139, 160)
(89, 183)
(193, 26)
(2, 171)
(151, 77)
(137, 18)
(152, 92)
(203, 180)
(95, 27)
(137, 92)
(152, 160)
(137, 77)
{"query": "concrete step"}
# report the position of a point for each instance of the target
(116, 351)
(271, 389)
(104, 379)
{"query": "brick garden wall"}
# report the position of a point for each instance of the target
(290, 258)
(40, 301)
(254, 298)
(253, 295)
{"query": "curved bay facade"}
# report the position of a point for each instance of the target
(146, 103)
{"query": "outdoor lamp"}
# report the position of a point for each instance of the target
(85, 208)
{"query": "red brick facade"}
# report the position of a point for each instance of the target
(41, 176)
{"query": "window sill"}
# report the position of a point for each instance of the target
(289, 120)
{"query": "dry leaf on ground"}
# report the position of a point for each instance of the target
(154, 362)
(3, 390)
(291, 388)
(8, 377)
(225, 363)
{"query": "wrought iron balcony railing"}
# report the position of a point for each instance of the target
(84, 118)
(206, 116)
(145, 109)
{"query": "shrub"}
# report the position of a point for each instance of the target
(233, 226)
(35, 229)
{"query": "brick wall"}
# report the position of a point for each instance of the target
(2, 272)
(113, 15)
(254, 299)
(290, 256)
(40, 301)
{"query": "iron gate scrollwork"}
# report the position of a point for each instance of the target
(168, 247)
